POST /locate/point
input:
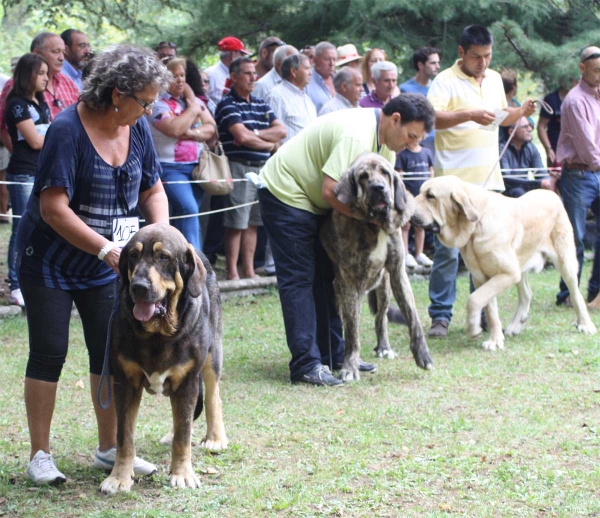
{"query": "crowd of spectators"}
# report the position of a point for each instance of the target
(255, 104)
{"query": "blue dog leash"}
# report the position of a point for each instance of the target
(105, 376)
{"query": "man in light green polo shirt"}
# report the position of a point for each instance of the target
(300, 180)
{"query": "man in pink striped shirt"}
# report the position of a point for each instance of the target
(579, 152)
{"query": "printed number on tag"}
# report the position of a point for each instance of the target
(124, 229)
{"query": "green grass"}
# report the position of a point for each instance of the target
(510, 433)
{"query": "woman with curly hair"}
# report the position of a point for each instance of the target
(97, 167)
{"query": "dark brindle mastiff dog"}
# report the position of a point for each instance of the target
(368, 254)
(166, 337)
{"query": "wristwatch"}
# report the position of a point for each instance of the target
(255, 132)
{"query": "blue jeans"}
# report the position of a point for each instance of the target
(19, 196)
(305, 280)
(442, 282)
(184, 198)
(580, 191)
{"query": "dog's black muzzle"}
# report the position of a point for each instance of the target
(379, 200)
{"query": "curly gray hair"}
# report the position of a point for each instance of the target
(127, 68)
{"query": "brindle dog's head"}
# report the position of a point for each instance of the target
(375, 192)
(157, 266)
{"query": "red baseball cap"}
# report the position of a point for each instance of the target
(231, 44)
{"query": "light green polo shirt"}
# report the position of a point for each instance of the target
(328, 146)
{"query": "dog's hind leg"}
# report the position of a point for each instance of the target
(406, 302)
(382, 292)
(215, 439)
(522, 311)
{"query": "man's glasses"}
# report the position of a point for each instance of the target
(143, 104)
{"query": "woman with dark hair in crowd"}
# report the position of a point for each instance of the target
(27, 118)
(97, 167)
(180, 122)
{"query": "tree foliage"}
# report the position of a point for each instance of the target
(539, 36)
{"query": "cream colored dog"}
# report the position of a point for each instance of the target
(501, 239)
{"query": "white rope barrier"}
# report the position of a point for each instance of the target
(411, 175)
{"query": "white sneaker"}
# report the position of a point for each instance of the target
(106, 460)
(16, 299)
(410, 261)
(42, 470)
(423, 260)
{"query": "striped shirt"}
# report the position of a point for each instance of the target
(266, 83)
(291, 106)
(256, 114)
(466, 150)
(97, 192)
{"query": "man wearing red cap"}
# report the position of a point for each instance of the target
(230, 48)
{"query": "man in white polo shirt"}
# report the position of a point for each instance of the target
(289, 100)
(465, 98)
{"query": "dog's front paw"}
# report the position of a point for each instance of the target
(388, 353)
(587, 329)
(349, 373)
(185, 477)
(493, 344)
(214, 444)
(513, 329)
(114, 483)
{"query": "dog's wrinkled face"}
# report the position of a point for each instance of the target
(157, 265)
(373, 189)
(443, 206)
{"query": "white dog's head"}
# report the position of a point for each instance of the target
(445, 206)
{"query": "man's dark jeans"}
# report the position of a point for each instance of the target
(580, 191)
(305, 281)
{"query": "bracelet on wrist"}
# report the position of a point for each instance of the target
(106, 249)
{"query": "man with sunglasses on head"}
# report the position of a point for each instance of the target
(267, 48)
(578, 151)
(78, 52)
(166, 49)
(60, 92)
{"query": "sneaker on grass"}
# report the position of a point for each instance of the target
(106, 460)
(410, 261)
(42, 470)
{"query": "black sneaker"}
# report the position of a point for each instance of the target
(362, 367)
(319, 375)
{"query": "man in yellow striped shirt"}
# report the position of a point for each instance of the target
(466, 98)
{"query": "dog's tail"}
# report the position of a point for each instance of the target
(393, 313)
(200, 401)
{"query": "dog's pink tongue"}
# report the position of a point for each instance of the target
(144, 311)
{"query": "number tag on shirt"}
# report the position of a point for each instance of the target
(124, 229)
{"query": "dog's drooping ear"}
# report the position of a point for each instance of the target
(346, 189)
(196, 273)
(124, 265)
(399, 193)
(462, 200)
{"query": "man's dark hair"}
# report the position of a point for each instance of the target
(422, 55)
(193, 78)
(476, 35)
(292, 62)
(411, 107)
(25, 76)
(236, 64)
(67, 36)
